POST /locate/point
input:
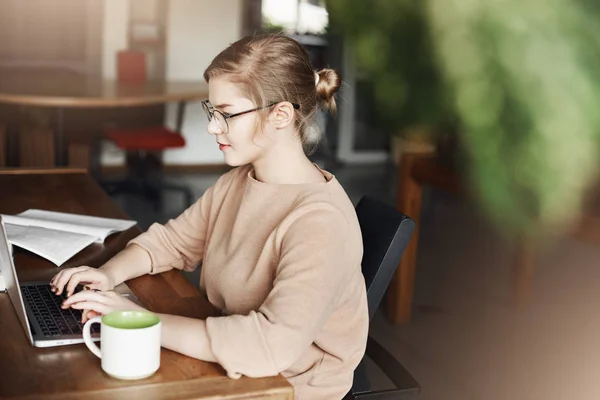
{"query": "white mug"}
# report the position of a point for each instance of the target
(130, 343)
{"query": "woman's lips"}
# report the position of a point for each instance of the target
(224, 147)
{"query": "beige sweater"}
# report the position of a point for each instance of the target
(282, 262)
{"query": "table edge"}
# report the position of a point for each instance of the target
(41, 171)
(97, 102)
(197, 388)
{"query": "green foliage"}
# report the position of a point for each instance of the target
(523, 78)
(526, 82)
(392, 46)
(271, 27)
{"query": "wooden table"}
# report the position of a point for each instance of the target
(72, 372)
(61, 89)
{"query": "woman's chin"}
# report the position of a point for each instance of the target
(233, 161)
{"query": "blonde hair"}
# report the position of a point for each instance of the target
(273, 68)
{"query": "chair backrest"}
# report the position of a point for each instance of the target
(386, 233)
(131, 66)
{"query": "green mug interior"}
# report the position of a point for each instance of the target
(130, 319)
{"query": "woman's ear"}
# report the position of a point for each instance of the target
(282, 115)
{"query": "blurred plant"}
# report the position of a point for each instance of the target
(525, 77)
(270, 27)
(523, 80)
(391, 44)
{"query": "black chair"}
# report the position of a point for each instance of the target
(385, 233)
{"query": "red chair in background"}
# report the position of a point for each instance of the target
(144, 146)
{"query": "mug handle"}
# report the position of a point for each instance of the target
(87, 336)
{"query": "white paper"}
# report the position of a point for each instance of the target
(97, 227)
(2, 280)
(59, 236)
(55, 246)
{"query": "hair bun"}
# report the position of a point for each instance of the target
(327, 85)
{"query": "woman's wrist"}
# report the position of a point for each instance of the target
(109, 272)
(130, 263)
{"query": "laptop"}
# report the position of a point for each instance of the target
(39, 310)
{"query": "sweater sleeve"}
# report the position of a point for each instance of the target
(312, 269)
(180, 242)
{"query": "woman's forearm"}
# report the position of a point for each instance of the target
(130, 263)
(181, 334)
(186, 336)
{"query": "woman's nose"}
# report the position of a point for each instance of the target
(213, 127)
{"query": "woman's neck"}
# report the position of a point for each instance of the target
(287, 166)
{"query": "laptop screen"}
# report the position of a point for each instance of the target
(7, 267)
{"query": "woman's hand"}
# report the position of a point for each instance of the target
(94, 303)
(92, 278)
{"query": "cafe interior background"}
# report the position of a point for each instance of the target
(477, 119)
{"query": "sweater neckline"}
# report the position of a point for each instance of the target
(329, 177)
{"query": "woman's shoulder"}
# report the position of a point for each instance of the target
(329, 220)
(331, 199)
(331, 206)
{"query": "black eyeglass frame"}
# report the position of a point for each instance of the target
(210, 114)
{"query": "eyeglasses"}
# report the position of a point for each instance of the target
(222, 117)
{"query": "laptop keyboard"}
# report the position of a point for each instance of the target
(52, 319)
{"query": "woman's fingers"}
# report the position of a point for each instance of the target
(61, 279)
(93, 286)
(99, 302)
(78, 277)
(85, 295)
(89, 301)
(55, 280)
(68, 279)
(88, 314)
(100, 308)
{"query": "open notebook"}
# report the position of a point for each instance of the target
(59, 236)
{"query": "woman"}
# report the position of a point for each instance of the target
(278, 238)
